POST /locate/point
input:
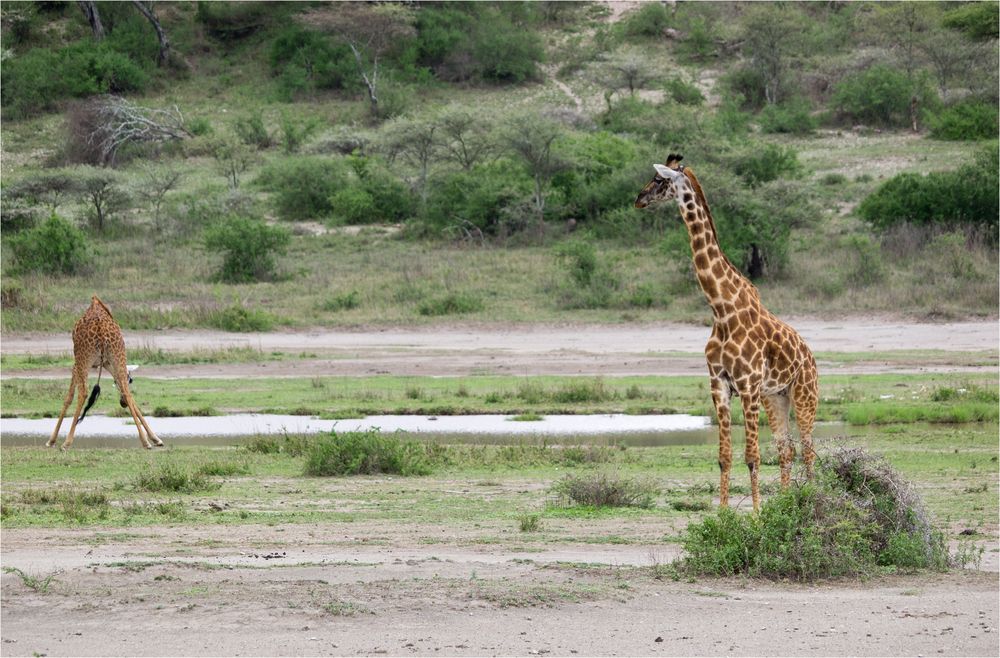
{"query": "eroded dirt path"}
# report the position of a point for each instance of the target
(324, 590)
(659, 349)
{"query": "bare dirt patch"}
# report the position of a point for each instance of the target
(462, 350)
(321, 590)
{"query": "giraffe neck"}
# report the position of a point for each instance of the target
(725, 287)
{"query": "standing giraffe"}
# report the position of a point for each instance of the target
(751, 353)
(98, 343)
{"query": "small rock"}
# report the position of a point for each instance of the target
(658, 639)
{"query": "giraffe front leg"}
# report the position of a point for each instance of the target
(62, 414)
(80, 377)
(720, 397)
(151, 436)
(751, 420)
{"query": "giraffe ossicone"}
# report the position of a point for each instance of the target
(751, 353)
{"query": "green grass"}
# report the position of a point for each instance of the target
(859, 399)
(490, 485)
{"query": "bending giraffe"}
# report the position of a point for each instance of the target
(750, 353)
(98, 343)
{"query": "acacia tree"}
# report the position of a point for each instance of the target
(630, 71)
(464, 136)
(370, 31)
(532, 139)
(771, 38)
(89, 8)
(417, 141)
(146, 9)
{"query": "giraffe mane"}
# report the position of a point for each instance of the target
(711, 223)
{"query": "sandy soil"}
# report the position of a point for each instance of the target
(325, 590)
(658, 349)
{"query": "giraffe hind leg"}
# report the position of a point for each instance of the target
(777, 417)
(805, 397)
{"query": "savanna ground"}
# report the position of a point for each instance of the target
(238, 551)
(209, 551)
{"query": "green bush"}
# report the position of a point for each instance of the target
(353, 205)
(977, 19)
(249, 248)
(477, 198)
(963, 197)
(683, 92)
(365, 453)
(761, 163)
(858, 515)
(172, 478)
(791, 117)
(304, 187)
(602, 177)
(252, 131)
(294, 133)
(966, 121)
(606, 490)
(451, 304)
(504, 51)
(649, 20)
(36, 80)
(54, 247)
(304, 61)
(880, 96)
(238, 318)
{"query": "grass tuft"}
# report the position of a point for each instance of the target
(606, 490)
(365, 453)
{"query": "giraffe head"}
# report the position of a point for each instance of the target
(128, 375)
(663, 187)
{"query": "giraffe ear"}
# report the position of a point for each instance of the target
(666, 172)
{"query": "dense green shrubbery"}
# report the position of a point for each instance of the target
(792, 117)
(683, 92)
(304, 186)
(858, 515)
(38, 79)
(481, 199)
(602, 177)
(649, 20)
(963, 197)
(239, 318)
(966, 121)
(353, 190)
(880, 96)
(304, 61)
(762, 163)
(491, 42)
(249, 247)
(977, 19)
(365, 453)
(54, 247)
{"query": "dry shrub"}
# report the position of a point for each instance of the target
(607, 490)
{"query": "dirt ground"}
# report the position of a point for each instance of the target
(372, 588)
(658, 349)
(357, 589)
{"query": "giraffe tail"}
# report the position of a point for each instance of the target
(90, 401)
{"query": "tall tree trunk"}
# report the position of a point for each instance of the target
(161, 36)
(89, 8)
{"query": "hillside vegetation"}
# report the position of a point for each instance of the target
(304, 164)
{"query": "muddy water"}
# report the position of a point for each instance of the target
(651, 430)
